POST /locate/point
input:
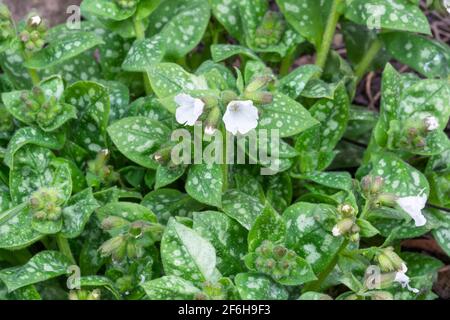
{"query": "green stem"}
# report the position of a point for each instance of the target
(315, 285)
(32, 72)
(368, 58)
(365, 210)
(328, 34)
(64, 247)
(224, 160)
(139, 29)
(287, 61)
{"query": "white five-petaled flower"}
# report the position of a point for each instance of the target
(413, 206)
(241, 116)
(403, 279)
(189, 109)
(431, 123)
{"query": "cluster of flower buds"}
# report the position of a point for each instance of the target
(416, 131)
(212, 291)
(46, 204)
(388, 260)
(33, 36)
(372, 187)
(85, 294)
(347, 223)
(132, 240)
(6, 27)
(38, 108)
(275, 260)
(271, 30)
(99, 172)
(127, 4)
(257, 90)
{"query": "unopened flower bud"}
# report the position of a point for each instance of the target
(228, 96)
(279, 251)
(212, 121)
(113, 222)
(389, 261)
(343, 227)
(355, 237)
(346, 210)
(115, 247)
(386, 199)
(259, 97)
(162, 156)
(258, 83)
(381, 295)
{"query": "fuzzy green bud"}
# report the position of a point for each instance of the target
(114, 247)
(344, 226)
(270, 31)
(346, 210)
(259, 97)
(212, 120)
(389, 261)
(113, 222)
(227, 96)
(259, 83)
(381, 295)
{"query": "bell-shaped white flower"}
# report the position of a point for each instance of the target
(189, 109)
(241, 116)
(403, 279)
(431, 123)
(413, 206)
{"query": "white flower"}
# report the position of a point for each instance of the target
(189, 109)
(413, 206)
(336, 232)
(403, 279)
(240, 116)
(35, 20)
(431, 123)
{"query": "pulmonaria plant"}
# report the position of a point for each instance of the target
(185, 149)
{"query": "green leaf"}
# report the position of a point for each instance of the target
(307, 17)
(77, 213)
(227, 237)
(62, 50)
(127, 210)
(293, 84)
(168, 79)
(204, 184)
(92, 102)
(308, 233)
(335, 180)
(285, 115)
(42, 169)
(242, 207)
(107, 9)
(138, 138)
(255, 286)
(367, 229)
(43, 266)
(181, 24)
(442, 237)
(35, 136)
(186, 254)
(144, 54)
(267, 226)
(430, 58)
(166, 175)
(228, 13)
(170, 288)
(166, 203)
(221, 52)
(394, 15)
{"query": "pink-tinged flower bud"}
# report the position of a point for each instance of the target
(343, 227)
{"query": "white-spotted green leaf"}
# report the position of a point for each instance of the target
(77, 212)
(144, 54)
(107, 9)
(186, 254)
(165, 175)
(43, 266)
(30, 135)
(293, 84)
(307, 17)
(399, 15)
(40, 169)
(286, 115)
(242, 207)
(65, 49)
(204, 183)
(335, 180)
(170, 288)
(267, 226)
(442, 236)
(221, 52)
(166, 203)
(138, 138)
(181, 24)
(255, 286)
(227, 237)
(168, 79)
(309, 233)
(127, 210)
(430, 58)
(228, 13)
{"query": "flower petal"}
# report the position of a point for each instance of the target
(189, 109)
(240, 116)
(413, 206)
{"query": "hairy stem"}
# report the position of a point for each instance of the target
(139, 29)
(368, 58)
(330, 28)
(64, 247)
(287, 61)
